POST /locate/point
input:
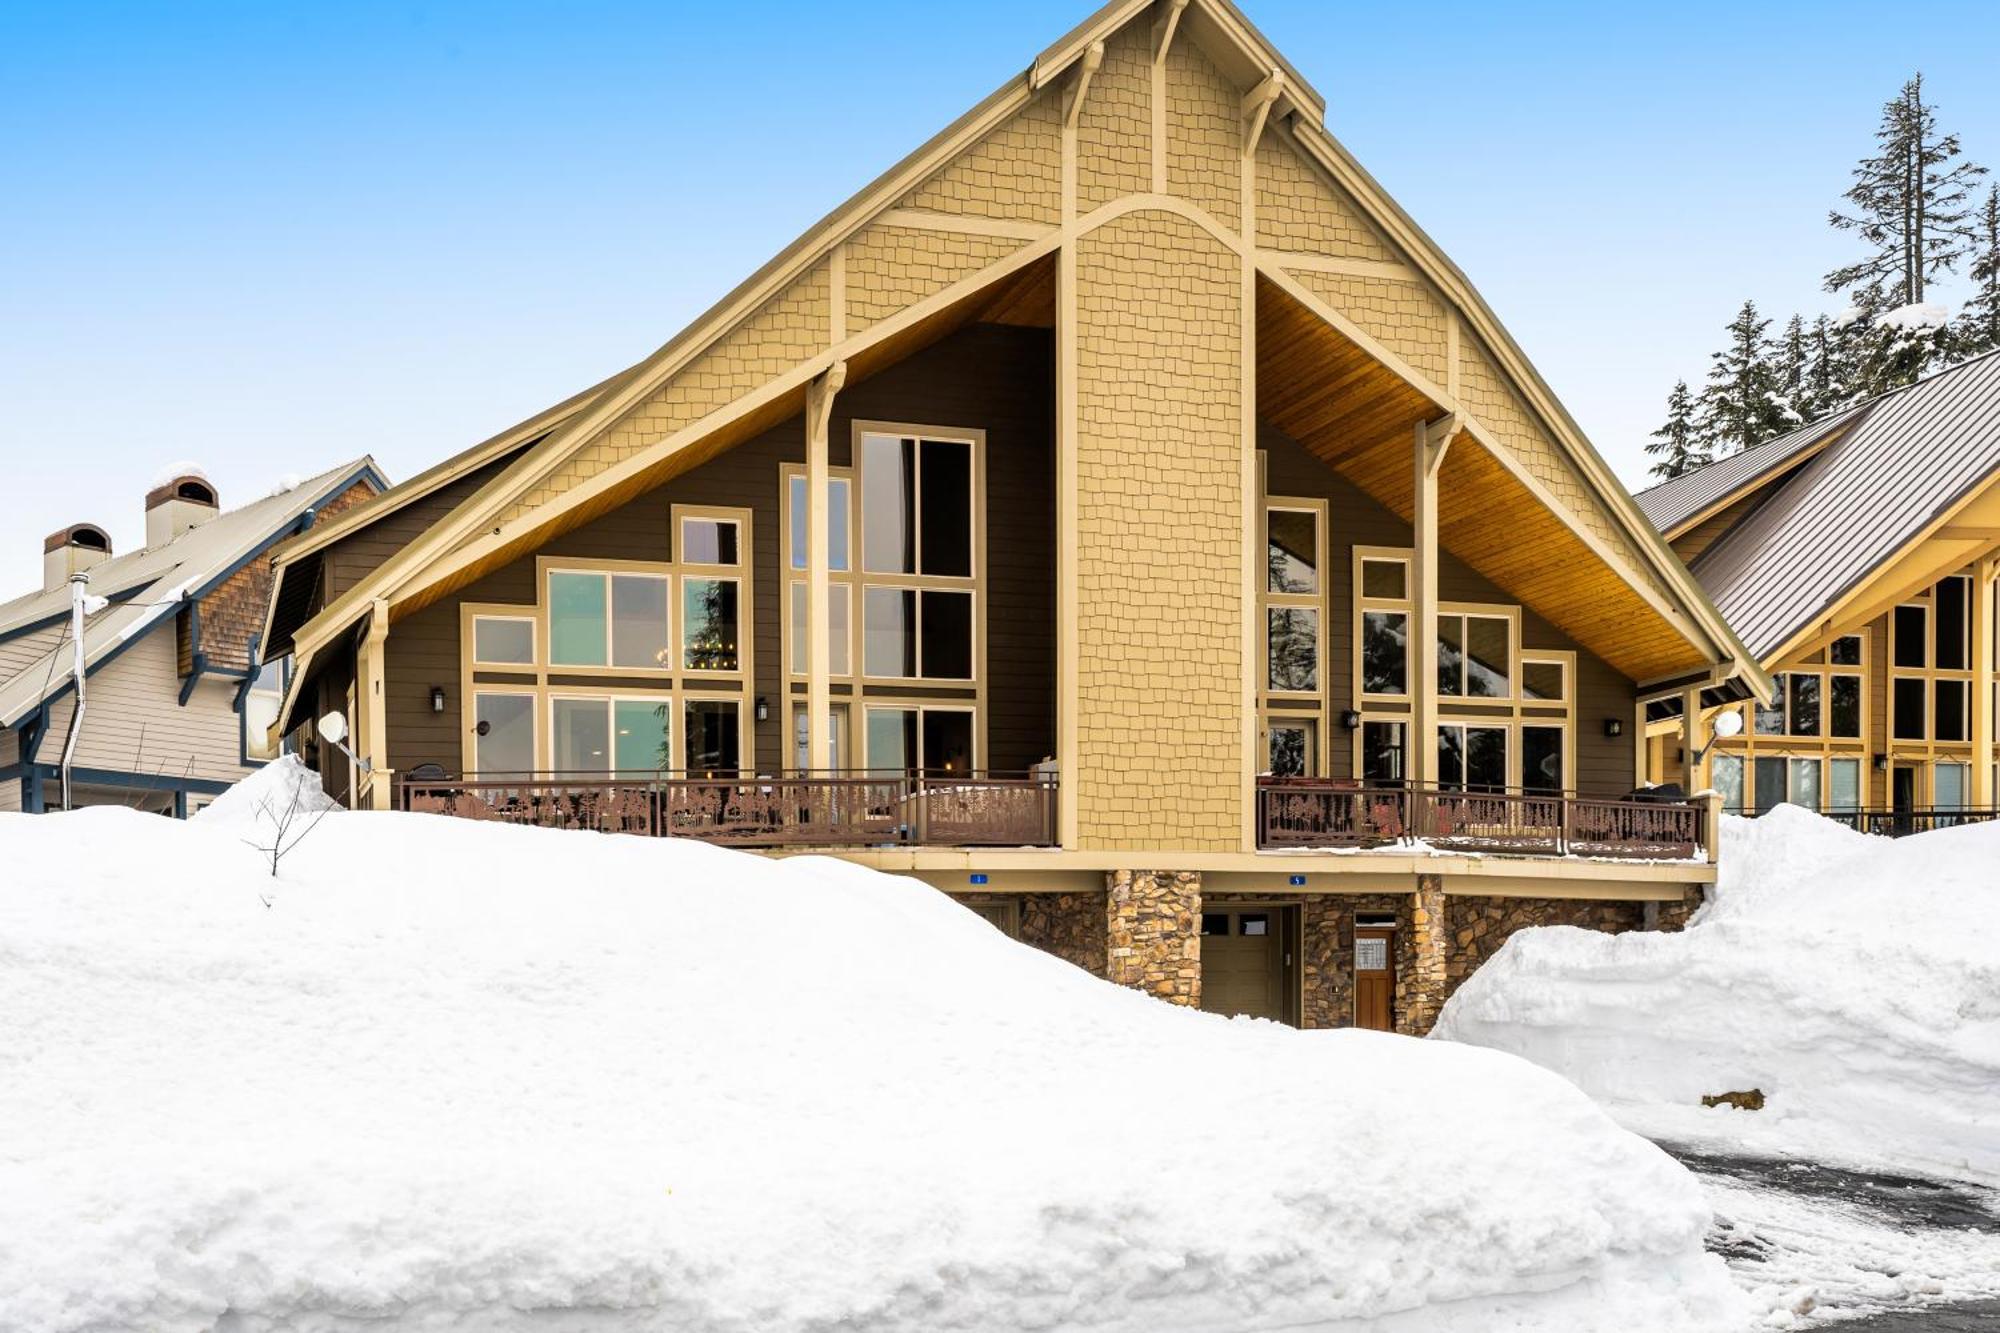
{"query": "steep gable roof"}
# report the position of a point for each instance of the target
(1674, 504)
(149, 586)
(1896, 476)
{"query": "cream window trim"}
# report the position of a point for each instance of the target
(921, 707)
(1314, 601)
(548, 566)
(794, 576)
(469, 616)
(1278, 717)
(469, 749)
(682, 514)
(546, 720)
(1486, 611)
(1360, 557)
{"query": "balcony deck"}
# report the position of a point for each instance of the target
(1323, 813)
(844, 810)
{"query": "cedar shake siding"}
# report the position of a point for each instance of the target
(988, 377)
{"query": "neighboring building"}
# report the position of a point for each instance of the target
(1857, 558)
(178, 696)
(1119, 515)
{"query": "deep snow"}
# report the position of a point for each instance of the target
(463, 1075)
(1854, 980)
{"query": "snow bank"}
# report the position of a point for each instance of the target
(1855, 981)
(463, 1075)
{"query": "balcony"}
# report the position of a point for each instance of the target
(1317, 813)
(796, 811)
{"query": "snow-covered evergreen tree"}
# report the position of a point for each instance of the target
(1979, 325)
(1679, 444)
(1740, 406)
(1909, 207)
(1829, 366)
(1899, 347)
(1791, 360)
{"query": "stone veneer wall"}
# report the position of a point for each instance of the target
(1477, 927)
(1153, 932)
(1069, 925)
(1674, 916)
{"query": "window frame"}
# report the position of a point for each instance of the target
(973, 583)
(609, 699)
(1271, 698)
(922, 708)
(847, 579)
(546, 568)
(519, 616)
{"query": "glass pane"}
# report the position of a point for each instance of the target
(1215, 923)
(1770, 784)
(1489, 645)
(892, 738)
(1294, 649)
(710, 741)
(799, 653)
(1948, 786)
(946, 476)
(708, 541)
(1543, 680)
(1387, 579)
(1291, 555)
(1255, 923)
(1486, 758)
(1843, 784)
(1844, 706)
(643, 738)
(1908, 710)
(947, 741)
(1950, 721)
(1803, 697)
(1451, 655)
(1846, 651)
(270, 677)
(576, 619)
(511, 642)
(889, 632)
(1385, 666)
(1542, 758)
(1725, 774)
(1910, 632)
(505, 725)
(838, 638)
(1953, 600)
(708, 619)
(947, 635)
(1382, 753)
(836, 725)
(639, 622)
(1804, 783)
(1291, 749)
(1451, 756)
(1770, 721)
(581, 739)
(841, 633)
(795, 536)
(888, 504)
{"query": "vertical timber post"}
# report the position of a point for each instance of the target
(819, 622)
(1983, 592)
(1433, 439)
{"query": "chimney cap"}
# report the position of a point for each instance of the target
(190, 486)
(87, 535)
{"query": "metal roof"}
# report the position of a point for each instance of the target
(1674, 502)
(1911, 457)
(148, 585)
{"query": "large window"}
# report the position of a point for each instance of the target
(1293, 557)
(840, 572)
(1383, 745)
(1292, 747)
(917, 555)
(1475, 656)
(711, 736)
(936, 739)
(1472, 758)
(600, 619)
(504, 731)
(610, 734)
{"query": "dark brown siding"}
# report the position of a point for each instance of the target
(353, 558)
(991, 377)
(1604, 765)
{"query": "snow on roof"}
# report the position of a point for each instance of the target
(538, 1080)
(145, 584)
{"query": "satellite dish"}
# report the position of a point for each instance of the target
(1729, 723)
(334, 727)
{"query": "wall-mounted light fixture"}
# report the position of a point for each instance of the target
(1614, 726)
(1881, 763)
(763, 709)
(437, 698)
(1350, 719)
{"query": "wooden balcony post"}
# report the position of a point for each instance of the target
(1433, 440)
(1690, 739)
(370, 729)
(1983, 576)
(819, 621)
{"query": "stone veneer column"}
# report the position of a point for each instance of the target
(1152, 932)
(1420, 1001)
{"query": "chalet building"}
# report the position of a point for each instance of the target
(178, 695)
(1857, 557)
(1119, 514)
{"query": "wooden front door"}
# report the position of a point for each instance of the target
(1375, 978)
(1246, 962)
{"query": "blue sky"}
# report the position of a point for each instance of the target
(271, 237)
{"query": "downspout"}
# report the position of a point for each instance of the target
(77, 584)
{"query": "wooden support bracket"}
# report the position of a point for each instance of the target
(1093, 58)
(1256, 108)
(1164, 27)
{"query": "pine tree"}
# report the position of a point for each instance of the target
(1909, 206)
(1900, 347)
(1792, 360)
(1681, 446)
(1740, 406)
(1829, 368)
(1979, 327)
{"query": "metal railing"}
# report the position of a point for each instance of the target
(831, 810)
(1904, 823)
(1319, 812)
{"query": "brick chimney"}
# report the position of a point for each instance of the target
(177, 505)
(72, 550)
